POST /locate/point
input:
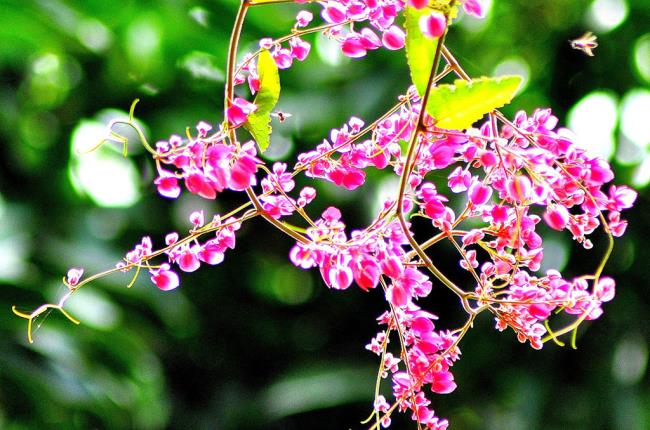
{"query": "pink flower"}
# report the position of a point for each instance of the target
(519, 188)
(339, 275)
(433, 25)
(283, 58)
(616, 225)
(203, 128)
(556, 216)
(307, 195)
(299, 48)
(368, 38)
(164, 278)
(265, 43)
(334, 12)
(212, 252)
(348, 178)
(303, 18)
(621, 197)
(73, 276)
(171, 238)
(366, 273)
(331, 214)
(398, 294)
(469, 260)
(499, 214)
(242, 173)
(479, 194)
(459, 180)
(167, 185)
(196, 183)
(443, 382)
(419, 4)
(188, 260)
(393, 38)
(197, 218)
(392, 267)
(474, 7)
(353, 46)
(605, 289)
(238, 111)
(303, 256)
(472, 236)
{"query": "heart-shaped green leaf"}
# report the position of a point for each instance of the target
(458, 106)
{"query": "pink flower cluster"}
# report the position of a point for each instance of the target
(492, 192)
(187, 254)
(509, 180)
(207, 165)
(430, 355)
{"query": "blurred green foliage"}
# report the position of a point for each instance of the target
(256, 343)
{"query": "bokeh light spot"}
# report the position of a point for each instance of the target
(606, 15)
(630, 360)
(635, 127)
(514, 66)
(104, 175)
(642, 56)
(593, 119)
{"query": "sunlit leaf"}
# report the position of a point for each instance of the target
(267, 97)
(420, 50)
(458, 106)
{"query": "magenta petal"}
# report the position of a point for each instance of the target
(353, 46)
(393, 38)
(443, 383)
(188, 262)
(166, 280)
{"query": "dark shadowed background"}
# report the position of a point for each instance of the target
(256, 343)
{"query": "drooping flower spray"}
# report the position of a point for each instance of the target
(513, 176)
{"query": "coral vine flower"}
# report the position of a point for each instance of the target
(353, 46)
(74, 275)
(479, 194)
(167, 185)
(238, 111)
(334, 12)
(433, 25)
(556, 217)
(164, 278)
(303, 18)
(394, 38)
(511, 178)
(474, 7)
(419, 4)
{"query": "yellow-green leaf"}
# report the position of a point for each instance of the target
(458, 106)
(267, 97)
(420, 49)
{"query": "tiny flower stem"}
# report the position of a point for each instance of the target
(36, 313)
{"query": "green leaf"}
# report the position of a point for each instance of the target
(458, 106)
(420, 49)
(268, 95)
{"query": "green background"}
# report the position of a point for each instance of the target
(257, 343)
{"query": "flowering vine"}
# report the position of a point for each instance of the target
(515, 177)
